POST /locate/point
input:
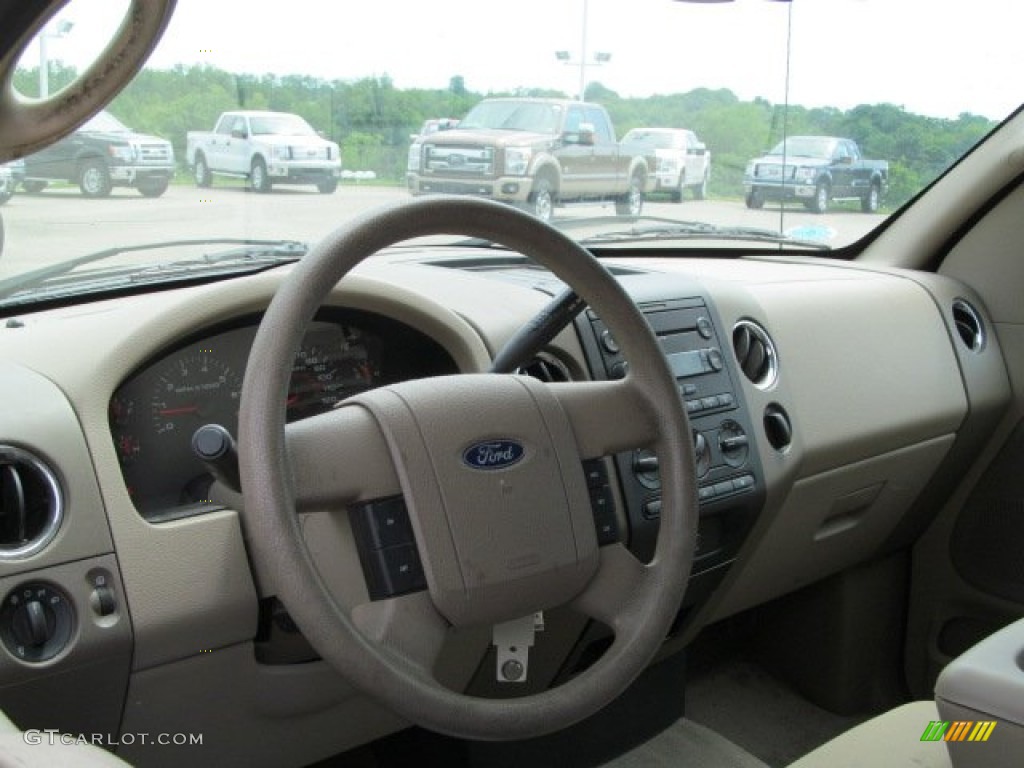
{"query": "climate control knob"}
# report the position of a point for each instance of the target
(733, 443)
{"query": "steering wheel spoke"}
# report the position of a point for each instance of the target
(409, 625)
(607, 416)
(611, 596)
(339, 457)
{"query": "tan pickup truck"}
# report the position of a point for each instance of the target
(535, 153)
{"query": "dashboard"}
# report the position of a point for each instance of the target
(156, 412)
(816, 430)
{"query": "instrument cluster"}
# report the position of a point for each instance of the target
(154, 414)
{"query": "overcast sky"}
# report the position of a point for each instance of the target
(934, 57)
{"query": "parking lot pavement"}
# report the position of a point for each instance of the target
(60, 224)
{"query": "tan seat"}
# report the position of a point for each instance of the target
(43, 749)
(890, 740)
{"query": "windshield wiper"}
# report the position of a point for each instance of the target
(246, 256)
(654, 228)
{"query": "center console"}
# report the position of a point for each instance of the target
(730, 478)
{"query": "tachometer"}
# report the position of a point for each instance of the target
(192, 390)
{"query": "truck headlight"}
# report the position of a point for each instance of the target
(517, 161)
(414, 160)
(122, 152)
(804, 174)
(283, 152)
(668, 165)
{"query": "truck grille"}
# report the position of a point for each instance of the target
(155, 154)
(774, 171)
(462, 161)
(310, 153)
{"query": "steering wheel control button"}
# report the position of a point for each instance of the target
(596, 473)
(36, 622)
(705, 328)
(387, 548)
(387, 522)
(602, 501)
(399, 570)
(609, 343)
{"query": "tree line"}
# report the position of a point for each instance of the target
(373, 120)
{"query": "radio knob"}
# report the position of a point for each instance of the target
(715, 359)
(701, 453)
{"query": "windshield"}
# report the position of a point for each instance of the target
(514, 116)
(806, 146)
(104, 122)
(285, 125)
(561, 109)
(654, 139)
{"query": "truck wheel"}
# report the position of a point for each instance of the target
(631, 203)
(259, 181)
(819, 203)
(542, 201)
(754, 200)
(201, 172)
(700, 192)
(327, 187)
(869, 203)
(677, 194)
(94, 178)
(153, 187)
(34, 187)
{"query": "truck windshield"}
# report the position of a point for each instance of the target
(653, 139)
(514, 116)
(283, 125)
(104, 122)
(805, 146)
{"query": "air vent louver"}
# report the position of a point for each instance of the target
(755, 353)
(31, 506)
(969, 327)
(545, 368)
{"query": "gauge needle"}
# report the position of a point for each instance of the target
(179, 411)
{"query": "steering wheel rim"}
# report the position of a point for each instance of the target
(637, 601)
(27, 124)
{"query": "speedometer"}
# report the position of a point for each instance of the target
(334, 362)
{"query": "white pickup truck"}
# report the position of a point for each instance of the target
(266, 148)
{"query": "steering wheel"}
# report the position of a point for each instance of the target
(496, 544)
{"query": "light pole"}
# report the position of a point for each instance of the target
(55, 31)
(599, 58)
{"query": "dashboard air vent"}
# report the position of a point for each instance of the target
(969, 327)
(755, 352)
(545, 368)
(31, 504)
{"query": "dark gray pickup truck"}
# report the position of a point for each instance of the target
(535, 153)
(816, 170)
(100, 155)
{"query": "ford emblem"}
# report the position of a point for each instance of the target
(493, 454)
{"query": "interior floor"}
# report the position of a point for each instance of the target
(728, 710)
